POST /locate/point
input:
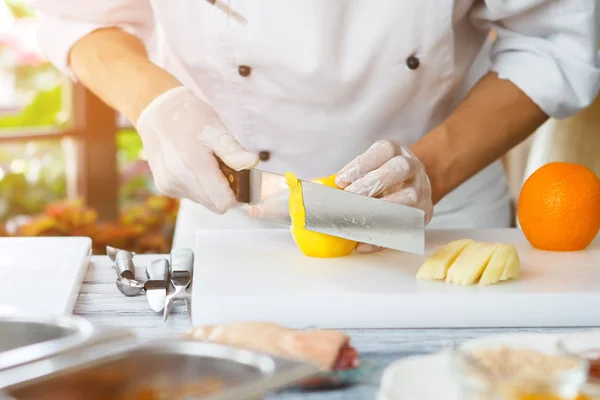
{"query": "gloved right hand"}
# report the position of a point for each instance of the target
(181, 135)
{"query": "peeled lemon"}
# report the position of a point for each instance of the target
(313, 244)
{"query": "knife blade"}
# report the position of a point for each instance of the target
(331, 211)
(157, 284)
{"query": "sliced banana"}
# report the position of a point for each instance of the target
(466, 262)
(436, 266)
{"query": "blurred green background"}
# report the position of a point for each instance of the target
(32, 95)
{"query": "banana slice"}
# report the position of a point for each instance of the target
(465, 262)
(436, 266)
(470, 264)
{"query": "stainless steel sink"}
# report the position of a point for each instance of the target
(15, 334)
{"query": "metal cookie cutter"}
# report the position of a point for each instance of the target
(182, 265)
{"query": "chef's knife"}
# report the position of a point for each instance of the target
(157, 284)
(331, 211)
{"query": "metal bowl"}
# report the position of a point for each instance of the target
(25, 339)
(160, 369)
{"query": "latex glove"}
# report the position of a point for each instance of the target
(392, 172)
(181, 135)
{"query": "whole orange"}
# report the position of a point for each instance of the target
(559, 207)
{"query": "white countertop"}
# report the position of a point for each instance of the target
(101, 302)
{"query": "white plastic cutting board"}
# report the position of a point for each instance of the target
(43, 275)
(261, 275)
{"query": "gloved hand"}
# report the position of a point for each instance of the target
(392, 172)
(181, 135)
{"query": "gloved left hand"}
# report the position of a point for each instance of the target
(390, 171)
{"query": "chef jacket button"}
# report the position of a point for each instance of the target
(412, 62)
(244, 70)
(264, 155)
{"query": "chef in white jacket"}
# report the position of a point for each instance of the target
(398, 97)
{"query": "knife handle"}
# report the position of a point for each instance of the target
(239, 181)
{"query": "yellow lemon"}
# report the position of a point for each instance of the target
(313, 244)
(327, 181)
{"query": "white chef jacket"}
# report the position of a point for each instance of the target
(313, 83)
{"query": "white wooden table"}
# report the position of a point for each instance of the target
(101, 302)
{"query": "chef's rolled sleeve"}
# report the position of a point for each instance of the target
(547, 48)
(63, 22)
